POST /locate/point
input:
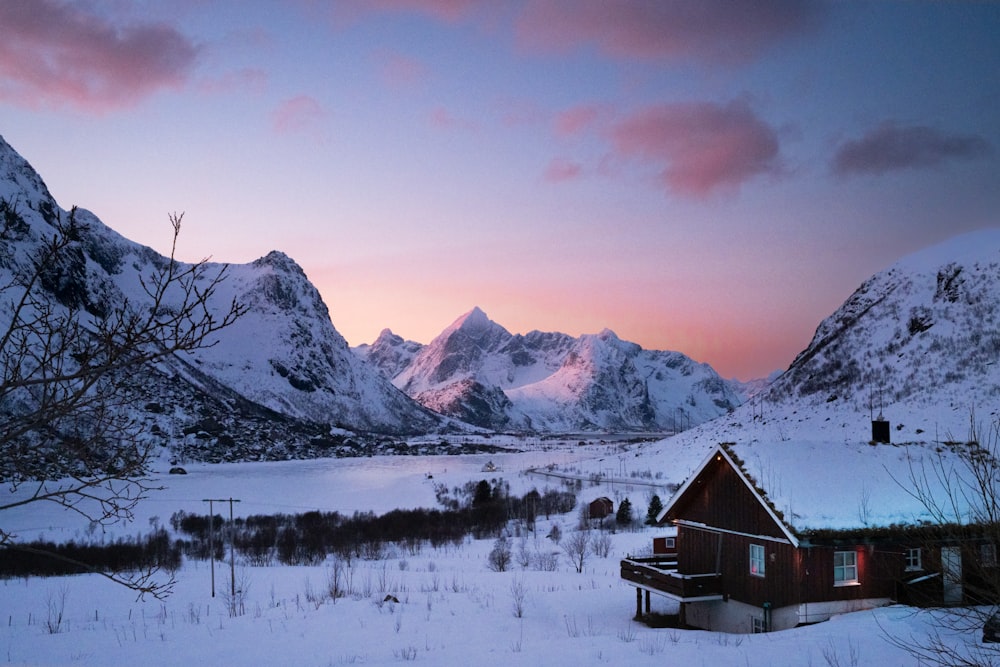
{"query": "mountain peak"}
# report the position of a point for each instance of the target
(475, 319)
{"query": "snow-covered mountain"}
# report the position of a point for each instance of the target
(479, 372)
(918, 343)
(389, 353)
(926, 331)
(277, 380)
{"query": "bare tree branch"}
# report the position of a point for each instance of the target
(69, 386)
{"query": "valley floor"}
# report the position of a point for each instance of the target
(451, 609)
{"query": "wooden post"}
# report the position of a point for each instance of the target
(638, 604)
(647, 603)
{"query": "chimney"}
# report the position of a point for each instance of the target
(880, 430)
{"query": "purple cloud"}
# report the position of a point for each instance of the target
(300, 115)
(53, 54)
(714, 30)
(561, 170)
(577, 119)
(401, 71)
(891, 146)
(443, 119)
(449, 11)
(701, 146)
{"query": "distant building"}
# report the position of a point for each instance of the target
(601, 507)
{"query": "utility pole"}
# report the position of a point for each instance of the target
(211, 543)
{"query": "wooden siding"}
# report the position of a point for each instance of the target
(718, 497)
(704, 551)
(878, 572)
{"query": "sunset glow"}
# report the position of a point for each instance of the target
(702, 176)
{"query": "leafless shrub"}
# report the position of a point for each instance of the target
(519, 594)
(601, 545)
(577, 547)
(55, 607)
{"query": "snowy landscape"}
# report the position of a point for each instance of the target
(915, 344)
(452, 608)
(499, 332)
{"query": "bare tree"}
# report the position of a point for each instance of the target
(500, 556)
(68, 374)
(577, 548)
(960, 490)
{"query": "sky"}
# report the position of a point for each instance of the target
(708, 177)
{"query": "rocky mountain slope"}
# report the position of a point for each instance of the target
(478, 372)
(281, 382)
(925, 331)
(918, 344)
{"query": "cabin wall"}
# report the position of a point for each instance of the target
(878, 571)
(704, 551)
(718, 497)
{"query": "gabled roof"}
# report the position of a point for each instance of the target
(722, 452)
(819, 485)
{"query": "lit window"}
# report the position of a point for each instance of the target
(913, 560)
(757, 560)
(988, 555)
(845, 568)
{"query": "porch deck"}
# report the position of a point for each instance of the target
(659, 574)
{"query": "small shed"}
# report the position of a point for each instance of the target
(601, 507)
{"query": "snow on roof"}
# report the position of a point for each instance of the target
(818, 468)
(836, 485)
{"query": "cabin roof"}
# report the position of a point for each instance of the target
(821, 485)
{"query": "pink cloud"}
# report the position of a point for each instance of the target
(401, 71)
(560, 170)
(574, 121)
(702, 146)
(449, 11)
(54, 54)
(520, 112)
(442, 118)
(715, 30)
(300, 115)
(891, 146)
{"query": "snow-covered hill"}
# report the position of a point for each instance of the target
(477, 371)
(279, 383)
(919, 343)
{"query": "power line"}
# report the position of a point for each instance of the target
(211, 542)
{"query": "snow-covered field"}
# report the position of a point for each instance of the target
(451, 610)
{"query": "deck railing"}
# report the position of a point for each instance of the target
(659, 573)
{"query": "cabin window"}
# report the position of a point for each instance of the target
(913, 563)
(988, 554)
(757, 560)
(669, 542)
(845, 568)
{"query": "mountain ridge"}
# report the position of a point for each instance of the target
(272, 385)
(477, 371)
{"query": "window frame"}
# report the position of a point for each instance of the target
(846, 568)
(914, 559)
(758, 558)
